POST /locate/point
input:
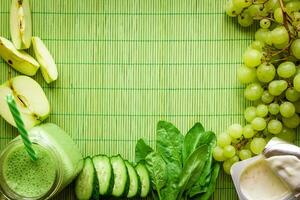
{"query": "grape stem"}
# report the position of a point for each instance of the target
(241, 144)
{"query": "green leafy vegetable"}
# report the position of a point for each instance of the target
(193, 169)
(142, 149)
(212, 185)
(169, 146)
(192, 140)
(158, 171)
(181, 168)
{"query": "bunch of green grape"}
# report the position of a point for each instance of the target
(271, 75)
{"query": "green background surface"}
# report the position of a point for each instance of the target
(125, 64)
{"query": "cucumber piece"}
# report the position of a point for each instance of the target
(144, 178)
(121, 178)
(134, 185)
(104, 174)
(86, 181)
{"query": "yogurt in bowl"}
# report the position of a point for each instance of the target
(273, 175)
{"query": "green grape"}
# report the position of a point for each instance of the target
(231, 10)
(278, 15)
(256, 10)
(297, 106)
(258, 45)
(295, 48)
(291, 122)
(286, 69)
(260, 35)
(268, 38)
(287, 109)
(274, 108)
(245, 74)
(296, 82)
(293, 6)
(235, 140)
(250, 113)
(297, 70)
(257, 145)
(227, 166)
(274, 126)
(287, 134)
(245, 154)
(262, 110)
(265, 72)
(235, 131)
(244, 19)
(252, 57)
(253, 91)
(265, 23)
(248, 131)
(267, 97)
(259, 123)
(247, 145)
(268, 137)
(276, 87)
(234, 159)
(292, 95)
(242, 3)
(224, 139)
(279, 35)
(281, 46)
(229, 151)
(218, 154)
(270, 5)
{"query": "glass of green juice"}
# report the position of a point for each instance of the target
(59, 162)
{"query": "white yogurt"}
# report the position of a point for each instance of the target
(258, 182)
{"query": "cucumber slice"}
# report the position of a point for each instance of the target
(134, 185)
(104, 174)
(144, 178)
(86, 181)
(121, 178)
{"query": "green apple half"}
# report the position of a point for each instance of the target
(30, 98)
(44, 57)
(19, 60)
(20, 23)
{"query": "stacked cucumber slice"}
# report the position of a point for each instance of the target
(111, 176)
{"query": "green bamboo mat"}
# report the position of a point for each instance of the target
(125, 64)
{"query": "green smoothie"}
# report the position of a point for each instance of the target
(28, 178)
(59, 162)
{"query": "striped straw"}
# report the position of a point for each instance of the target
(20, 125)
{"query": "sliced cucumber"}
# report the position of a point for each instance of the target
(121, 179)
(86, 181)
(104, 174)
(144, 178)
(134, 185)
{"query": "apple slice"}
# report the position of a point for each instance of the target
(30, 98)
(20, 23)
(44, 57)
(19, 60)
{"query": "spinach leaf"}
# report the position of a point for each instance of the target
(205, 177)
(193, 168)
(211, 141)
(158, 171)
(212, 185)
(169, 145)
(142, 149)
(191, 140)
